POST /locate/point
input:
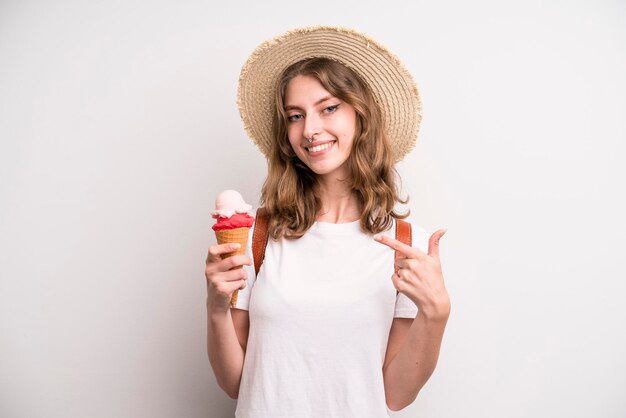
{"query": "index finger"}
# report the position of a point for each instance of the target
(405, 250)
(215, 251)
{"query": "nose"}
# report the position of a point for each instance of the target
(312, 126)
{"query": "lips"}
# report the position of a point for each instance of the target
(320, 147)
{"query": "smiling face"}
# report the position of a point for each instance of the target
(313, 112)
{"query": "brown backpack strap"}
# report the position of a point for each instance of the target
(403, 234)
(259, 238)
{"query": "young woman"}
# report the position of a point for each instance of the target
(334, 325)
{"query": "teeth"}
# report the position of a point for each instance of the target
(320, 147)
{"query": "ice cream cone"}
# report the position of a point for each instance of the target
(233, 224)
(231, 236)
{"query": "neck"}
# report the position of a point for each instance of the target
(339, 202)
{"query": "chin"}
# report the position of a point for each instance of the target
(322, 168)
(324, 171)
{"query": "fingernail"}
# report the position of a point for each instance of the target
(235, 246)
(377, 237)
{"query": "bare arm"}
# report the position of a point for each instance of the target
(416, 345)
(227, 330)
(226, 354)
(413, 348)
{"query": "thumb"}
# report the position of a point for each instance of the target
(433, 242)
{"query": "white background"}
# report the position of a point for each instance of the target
(118, 126)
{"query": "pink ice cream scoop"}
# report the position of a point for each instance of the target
(231, 211)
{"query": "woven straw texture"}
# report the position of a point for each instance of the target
(230, 236)
(390, 81)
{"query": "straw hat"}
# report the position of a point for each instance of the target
(391, 83)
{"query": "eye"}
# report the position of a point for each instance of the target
(331, 109)
(293, 118)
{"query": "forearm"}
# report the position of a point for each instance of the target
(225, 353)
(411, 368)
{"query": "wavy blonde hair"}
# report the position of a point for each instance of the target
(290, 194)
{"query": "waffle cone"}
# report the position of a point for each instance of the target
(231, 236)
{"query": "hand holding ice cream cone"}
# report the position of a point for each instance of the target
(224, 276)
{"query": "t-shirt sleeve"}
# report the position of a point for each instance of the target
(405, 308)
(243, 297)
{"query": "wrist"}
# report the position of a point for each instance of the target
(219, 317)
(216, 312)
(436, 312)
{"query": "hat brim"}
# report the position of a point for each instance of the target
(391, 83)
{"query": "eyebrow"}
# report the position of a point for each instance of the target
(323, 99)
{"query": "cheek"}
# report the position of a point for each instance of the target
(292, 141)
(295, 147)
(292, 134)
(350, 128)
(349, 133)
(349, 141)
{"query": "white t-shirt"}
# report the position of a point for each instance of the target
(320, 315)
